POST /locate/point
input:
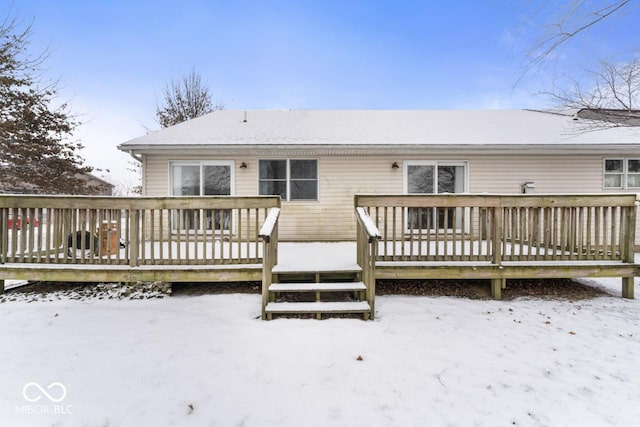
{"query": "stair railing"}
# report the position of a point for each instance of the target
(367, 247)
(269, 236)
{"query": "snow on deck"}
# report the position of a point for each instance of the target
(316, 256)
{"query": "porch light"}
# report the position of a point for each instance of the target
(528, 187)
(243, 165)
(395, 165)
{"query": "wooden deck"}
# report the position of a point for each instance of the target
(218, 239)
(499, 237)
(93, 239)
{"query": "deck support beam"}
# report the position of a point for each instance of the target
(496, 288)
(627, 287)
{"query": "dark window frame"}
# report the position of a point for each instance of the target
(625, 174)
(288, 192)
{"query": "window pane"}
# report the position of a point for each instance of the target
(450, 179)
(273, 169)
(304, 169)
(613, 181)
(185, 180)
(420, 218)
(633, 180)
(274, 188)
(420, 179)
(304, 190)
(217, 219)
(217, 180)
(633, 165)
(611, 165)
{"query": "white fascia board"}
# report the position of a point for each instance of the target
(396, 149)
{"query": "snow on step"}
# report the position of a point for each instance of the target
(318, 307)
(283, 268)
(318, 287)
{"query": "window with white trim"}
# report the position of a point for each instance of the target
(622, 173)
(291, 179)
(195, 178)
(434, 177)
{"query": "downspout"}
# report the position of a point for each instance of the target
(139, 159)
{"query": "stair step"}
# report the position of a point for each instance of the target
(295, 269)
(318, 287)
(318, 307)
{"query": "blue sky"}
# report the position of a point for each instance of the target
(113, 57)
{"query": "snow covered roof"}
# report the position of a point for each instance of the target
(381, 128)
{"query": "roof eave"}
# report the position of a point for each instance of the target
(381, 149)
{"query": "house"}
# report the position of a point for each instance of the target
(94, 185)
(317, 160)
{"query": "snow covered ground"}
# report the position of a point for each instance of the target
(208, 361)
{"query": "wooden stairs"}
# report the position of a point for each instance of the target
(330, 292)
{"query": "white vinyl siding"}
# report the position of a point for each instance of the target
(341, 177)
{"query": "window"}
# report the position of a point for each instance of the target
(293, 179)
(633, 173)
(210, 178)
(433, 177)
(200, 178)
(622, 173)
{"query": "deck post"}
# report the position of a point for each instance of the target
(3, 235)
(269, 235)
(497, 285)
(630, 235)
(371, 266)
(367, 253)
(627, 287)
(134, 229)
(496, 288)
(266, 275)
(496, 235)
(1, 287)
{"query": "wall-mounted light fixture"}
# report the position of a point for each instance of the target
(528, 187)
(395, 165)
(243, 165)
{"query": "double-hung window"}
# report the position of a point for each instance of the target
(622, 173)
(291, 179)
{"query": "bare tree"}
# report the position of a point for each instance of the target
(184, 99)
(569, 19)
(610, 95)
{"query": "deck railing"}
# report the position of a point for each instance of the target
(497, 228)
(208, 230)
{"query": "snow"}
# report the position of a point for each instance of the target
(424, 361)
(270, 223)
(315, 256)
(522, 129)
(324, 286)
(315, 307)
(369, 225)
